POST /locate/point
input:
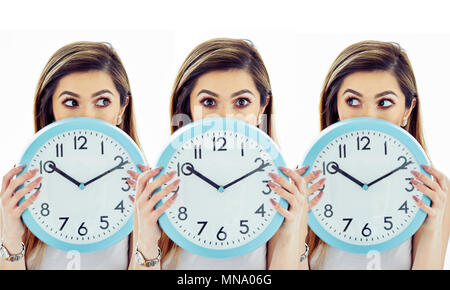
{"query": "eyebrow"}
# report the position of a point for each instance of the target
(376, 96)
(245, 91)
(93, 95)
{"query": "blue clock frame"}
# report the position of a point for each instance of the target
(69, 124)
(211, 124)
(365, 123)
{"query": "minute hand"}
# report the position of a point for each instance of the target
(403, 166)
(260, 168)
(119, 166)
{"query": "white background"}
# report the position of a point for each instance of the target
(298, 43)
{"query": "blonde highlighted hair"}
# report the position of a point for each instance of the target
(77, 57)
(367, 56)
(220, 54)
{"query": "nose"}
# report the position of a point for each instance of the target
(369, 111)
(86, 111)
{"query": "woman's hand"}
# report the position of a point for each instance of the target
(296, 193)
(437, 191)
(12, 228)
(147, 215)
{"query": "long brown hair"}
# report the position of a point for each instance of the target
(213, 55)
(78, 57)
(367, 56)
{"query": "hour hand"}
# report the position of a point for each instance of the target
(333, 168)
(50, 167)
(188, 169)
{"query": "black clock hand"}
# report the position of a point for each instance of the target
(403, 166)
(190, 169)
(335, 166)
(259, 169)
(52, 168)
(119, 166)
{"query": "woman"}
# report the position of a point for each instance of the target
(376, 79)
(223, 78)
(82, 79)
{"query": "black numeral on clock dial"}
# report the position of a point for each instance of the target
(79, 143)
(363, 143)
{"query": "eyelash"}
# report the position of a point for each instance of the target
(75, 103)
(350, 99)
(203, 101)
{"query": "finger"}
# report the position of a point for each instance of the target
(424, 207)
(294, 176)
(160, 210)
(283, 182)
(281, 210)
(9, 176)
(142, 181)
(153, 201)
(24, 205)
(316, 186)
(131, 198)
(131, 183)
(425, 190)
(144, 167)
(315, 200)
(312, 176)
(21, 193)
(440, 177)
(289, 197)
(426, 180)
(133, 174)
(302, 170)
(13, 185)
(157, 183)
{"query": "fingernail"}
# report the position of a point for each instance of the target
(174, 195)
(285, 169)
(317, 172)
(415, 198)
(273, 176)
(426, 167)
(273, 201)
(171, 173)
(322, 181)
(271, 184)
(414, 182)
(176, 182)
(415, 173)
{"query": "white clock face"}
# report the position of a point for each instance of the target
(367, 197)
(223, 197)
(84, 194)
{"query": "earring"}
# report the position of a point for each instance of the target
(405, 122)
(119, 121)
(259, 119)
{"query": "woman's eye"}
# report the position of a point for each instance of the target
(70, 103)
(103, 102)
(208, 102)
(385, 103)
(353, 102)
(242, 102)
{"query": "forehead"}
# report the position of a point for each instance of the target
(86, 82)
(226, 82)
(371, 83)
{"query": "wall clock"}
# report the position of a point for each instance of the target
(223, 208)
(83, 203)
(368, 198)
